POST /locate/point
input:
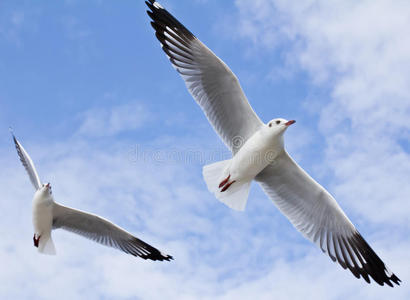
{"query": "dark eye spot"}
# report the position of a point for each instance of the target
(278, 122)
(270, 124)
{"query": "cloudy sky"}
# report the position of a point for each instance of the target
(110, 124)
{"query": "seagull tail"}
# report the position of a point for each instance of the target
(46, 245)
(236, 195)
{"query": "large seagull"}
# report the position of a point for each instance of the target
(49, 215)
(259, 154)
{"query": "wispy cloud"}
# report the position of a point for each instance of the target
(361, 51)
(110, 121)
(219, 253)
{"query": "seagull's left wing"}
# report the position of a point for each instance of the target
(316, 214)
(209, 80)
(104, 232)
(28, 164)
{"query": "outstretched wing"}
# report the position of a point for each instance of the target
(209, 80)
(104, 232)
(27, 163)
(316, 214)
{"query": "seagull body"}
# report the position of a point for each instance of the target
(235, 175)
(49, 215)
(259, 154)
(43, 205)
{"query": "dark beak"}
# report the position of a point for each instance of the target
(288, 123)
(48, 185)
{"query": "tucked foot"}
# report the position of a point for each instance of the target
(227, 186)
(223, 182)
(36, 240)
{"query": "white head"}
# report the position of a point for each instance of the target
(45, 190)
(278, 126)
(274, 129)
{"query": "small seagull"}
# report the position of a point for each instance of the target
(49, 215)
(259, 154)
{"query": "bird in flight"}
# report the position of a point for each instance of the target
(48, 215)
(259, 154)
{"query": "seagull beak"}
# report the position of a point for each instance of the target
(48, 185)
(288, 123)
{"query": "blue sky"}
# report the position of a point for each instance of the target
(109, 123)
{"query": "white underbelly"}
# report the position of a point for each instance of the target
(252, 158)
(42, 217)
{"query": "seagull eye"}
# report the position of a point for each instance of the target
(270, 124)
(278, 122)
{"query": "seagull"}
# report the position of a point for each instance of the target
(259, 154)
(49, 215)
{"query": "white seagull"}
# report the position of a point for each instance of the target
(259, 153)
(49, 215)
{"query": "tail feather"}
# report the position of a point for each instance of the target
(46, 245)
(236, 195)
(214, 174)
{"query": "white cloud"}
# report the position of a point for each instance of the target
(219, 253)
(110, 121)
(361, 50)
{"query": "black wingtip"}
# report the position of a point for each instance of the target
(395, 279)
(160, 15)
(16, 143)
(148, 252)
(157, 255)
(168, 258)
(373, 266)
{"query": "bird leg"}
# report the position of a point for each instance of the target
(227, 186)
(36, 240)
(223, 182)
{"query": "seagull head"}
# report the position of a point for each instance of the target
(46, 188)
(274, 129)
(279, 125)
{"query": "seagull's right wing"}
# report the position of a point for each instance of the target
(28, 164)
(316, 214)
(208, 79)
(104, 232)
